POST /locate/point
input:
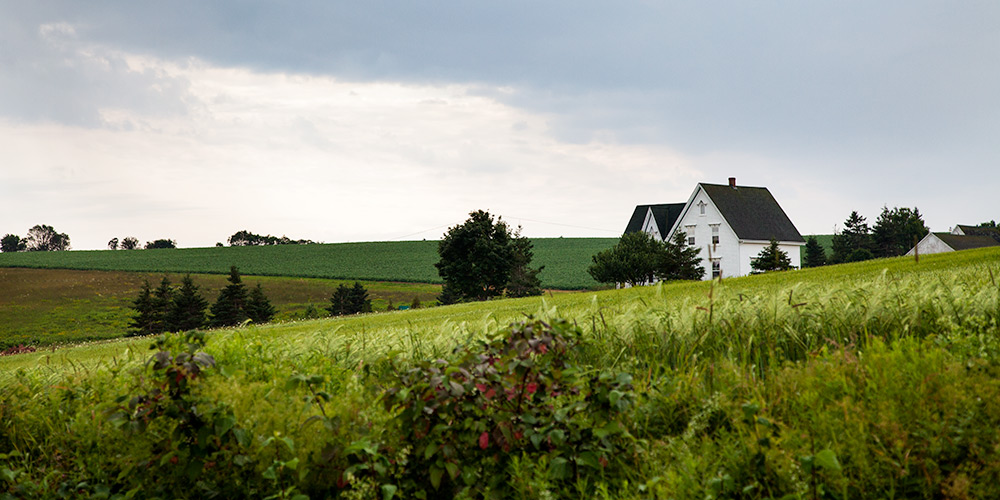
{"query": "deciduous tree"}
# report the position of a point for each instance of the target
(896, 231)
(633, 260)
(42, 238)
(478, 258)
(161, 243)
(12, 243)
(129, 243)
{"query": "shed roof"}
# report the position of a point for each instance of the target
(990, 232)
(959, 242)
(752, 212)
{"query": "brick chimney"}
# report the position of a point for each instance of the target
(732, 182)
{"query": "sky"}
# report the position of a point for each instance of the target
(380, 121)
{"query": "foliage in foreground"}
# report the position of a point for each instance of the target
(884, 385)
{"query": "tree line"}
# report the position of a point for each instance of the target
(169, 309)
(40, 238)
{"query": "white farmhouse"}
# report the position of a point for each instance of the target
(730, 224)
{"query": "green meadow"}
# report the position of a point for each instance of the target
(565, 260)
(878, 379)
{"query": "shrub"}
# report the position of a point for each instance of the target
(517, 397)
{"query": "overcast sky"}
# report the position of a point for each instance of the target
(379, 120)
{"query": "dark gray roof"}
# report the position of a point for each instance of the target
(991, 232)
(752, 213)
(664, 214)
(958, 242)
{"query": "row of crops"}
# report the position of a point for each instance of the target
(565, 260)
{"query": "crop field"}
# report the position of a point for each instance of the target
(878, 379)
(565, 260)
(44, 307)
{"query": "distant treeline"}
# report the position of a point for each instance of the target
(248, 239)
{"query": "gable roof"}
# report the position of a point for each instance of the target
(752, 213)
(959, 242)
(990, 232)
(664, 214)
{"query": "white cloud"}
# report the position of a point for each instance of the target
(324, 159)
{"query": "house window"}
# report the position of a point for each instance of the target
(701, 207)
(691, 239)
(715, 234)
(716, 268)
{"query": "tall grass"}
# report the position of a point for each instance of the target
(878, 379)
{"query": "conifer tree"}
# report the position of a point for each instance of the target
(230, 308)
(680, 261)
(188, 312)
(340, 301)
(142, 322)
(815, 256)
(163, 303)
(259, 308)
(360, 303)
(771, 258)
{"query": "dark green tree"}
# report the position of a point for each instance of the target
(143, 323)
(230, 308)
(42, 238)
(349, 300)
(129, 243)
(161, 243)
(12, 243)
(814, 256)
(992, 224)
(680, 261)
(524, 280)
(259, 308)
(360, 303)
(188, 312)
(896, 231)
(771, 258)
(163, 303)
(855, 236)
(634, 260)
(340, 301)
(113, 244)
(476, 259)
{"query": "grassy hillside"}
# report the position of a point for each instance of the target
(57, 306)
(565, 260)
(878, 379)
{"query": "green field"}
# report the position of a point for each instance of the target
(878, 379)
(42, 307)
(565, 260)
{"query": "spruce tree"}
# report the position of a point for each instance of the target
(142, 322)
(680, 261)
(340, 301)
(163, 303)
(855, 236)
(360, 303)
(259, 308)
(188, 312)
(815, 256)
(230, 308)
(771, 258)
